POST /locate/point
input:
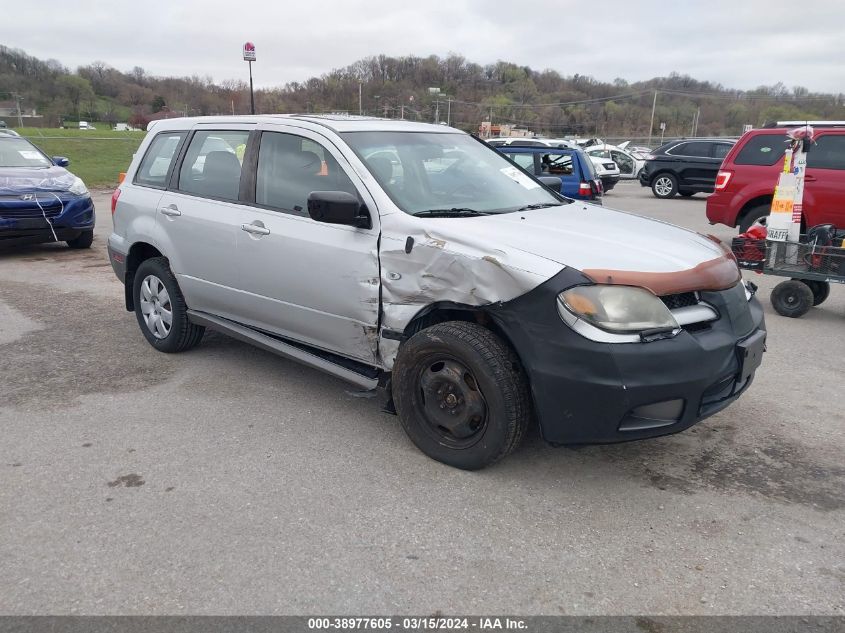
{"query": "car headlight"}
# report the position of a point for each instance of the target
(78, 187)
(615, 309)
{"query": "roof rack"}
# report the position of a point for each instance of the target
(800, 123)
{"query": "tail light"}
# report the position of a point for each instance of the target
(584, 189)
(114, 198)
(722, 180)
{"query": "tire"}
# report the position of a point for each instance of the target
(752, 215)
(462, 375)
(85, 239)
(664, 185)
(820, 290)
(687, 194)
(792, 298)
(155, 288)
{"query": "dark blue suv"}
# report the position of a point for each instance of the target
(40, 200)
(574, 168)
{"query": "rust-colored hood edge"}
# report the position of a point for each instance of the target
(716, 274)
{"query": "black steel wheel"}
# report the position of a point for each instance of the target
(792, 298)
(461, 394)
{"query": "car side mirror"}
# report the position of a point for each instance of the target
(552, 182)
(61, 161)
(338, 207)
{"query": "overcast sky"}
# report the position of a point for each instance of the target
(739, 43)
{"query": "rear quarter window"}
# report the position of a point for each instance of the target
(828, 152)
(763, 149)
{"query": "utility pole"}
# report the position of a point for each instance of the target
(449, 113)
(18, 100)
(360, 98)
(651, 127)
(437, 111)
(402, 111)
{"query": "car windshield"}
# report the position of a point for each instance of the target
(430, 172)
(17, 152)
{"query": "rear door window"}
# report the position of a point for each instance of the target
(526, 161)
(156, 164)
(212, 165)
(763, 149)
(828, 152)
(693, 149)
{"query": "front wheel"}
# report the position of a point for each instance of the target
(461, 394)
(160, 308)
(792, 298)
(664, 186)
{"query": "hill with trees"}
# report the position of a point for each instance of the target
(422, 88)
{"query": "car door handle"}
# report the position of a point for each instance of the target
(170, 210)
(255, 229)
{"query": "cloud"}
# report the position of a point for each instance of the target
(739, 44)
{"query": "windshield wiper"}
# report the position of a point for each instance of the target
(454, 211)
(541, 205)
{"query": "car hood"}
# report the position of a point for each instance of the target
(23, 179)
(587, 236)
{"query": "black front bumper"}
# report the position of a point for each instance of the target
(587, 392)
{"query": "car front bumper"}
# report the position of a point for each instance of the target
(586, 392)
(24, 224)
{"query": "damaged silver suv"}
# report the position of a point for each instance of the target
(416, 258)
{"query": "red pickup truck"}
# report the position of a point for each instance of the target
(746, 181)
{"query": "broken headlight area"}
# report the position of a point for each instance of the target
(616, 314)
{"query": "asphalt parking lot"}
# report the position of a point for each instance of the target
(226, 480)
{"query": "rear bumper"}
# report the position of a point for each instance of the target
(719, 209)
(609, 182)
(591, 393)
(118, 262)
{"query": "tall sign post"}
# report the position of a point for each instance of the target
(249, 56)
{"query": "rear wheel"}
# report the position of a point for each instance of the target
(664, 186)
(160, 308)
(753, 215)
(792, 298)
(461, 394)
(84, 240)
(820, 290)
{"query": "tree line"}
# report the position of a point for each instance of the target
(430, 88)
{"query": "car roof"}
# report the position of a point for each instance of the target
(336, 122)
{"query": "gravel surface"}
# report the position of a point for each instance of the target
(226, 480)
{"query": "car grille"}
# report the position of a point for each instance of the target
(12, 207)
(681, 300)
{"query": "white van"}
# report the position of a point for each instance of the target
(416, 258)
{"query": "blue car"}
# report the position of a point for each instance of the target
(574, 168)
(40, 200)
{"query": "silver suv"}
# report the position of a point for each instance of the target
(416, 258)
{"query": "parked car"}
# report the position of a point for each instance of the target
(479, 299)
(40, 200)
(2, 124)
(629, 163)
(608, 172)
(576, 172)
(685, 166)
(746, 182)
